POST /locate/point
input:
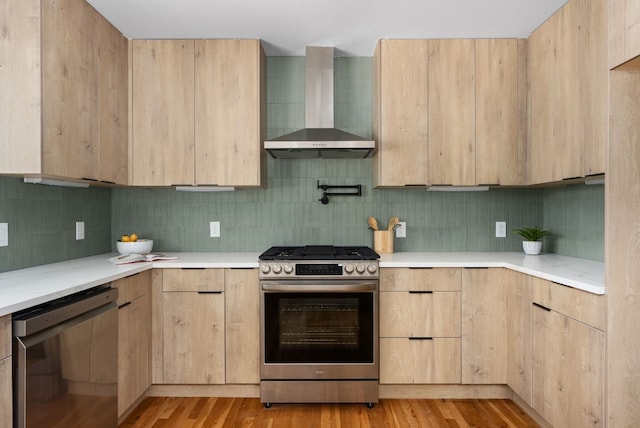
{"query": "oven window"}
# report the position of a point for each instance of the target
(319, 327)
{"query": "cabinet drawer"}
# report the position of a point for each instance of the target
(407, 279)
(5, 336)
(406, 361)
(193, 280)
(583, 306)
(420, 314)
(132, 287)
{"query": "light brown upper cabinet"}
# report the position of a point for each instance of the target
(501, 111)
(568, 94)
(229, 113)
(197, 112)
(63, 91)
(452, 134)
(401, 119)
(449, 112)
(162, 100)
(624, 34)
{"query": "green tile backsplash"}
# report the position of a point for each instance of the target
(287, 212)
(42, 223)
(575, 216)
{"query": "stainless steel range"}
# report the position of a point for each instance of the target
(319, 325)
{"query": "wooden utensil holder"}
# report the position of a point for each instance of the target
(383, 241)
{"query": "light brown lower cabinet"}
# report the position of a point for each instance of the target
(6, 394)
(484, 309)
(419, 326)
(242, 326)
(568, 355)
(519, 330)
(193, 332)
(134, 338)
(417, 360)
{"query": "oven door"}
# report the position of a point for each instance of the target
(319, 329)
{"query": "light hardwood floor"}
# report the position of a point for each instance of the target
(161, 412)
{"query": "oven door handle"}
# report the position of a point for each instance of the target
(313, 287)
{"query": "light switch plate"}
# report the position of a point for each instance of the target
(214, 229)
(401, 230)
(4, 234)
(501, 229)
(79, 230)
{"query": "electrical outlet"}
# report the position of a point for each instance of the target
(401, 229)
(4, 234)
(501, 229)
(214, 229)
(79, 230)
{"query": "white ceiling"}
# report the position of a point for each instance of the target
(351, 26)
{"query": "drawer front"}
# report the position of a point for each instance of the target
(5, 336)
(406, 361)
(408, 279)
(132, 287)
(420, 314)
(583, 306)
(192, 279)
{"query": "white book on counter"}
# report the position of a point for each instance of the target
(135, 258)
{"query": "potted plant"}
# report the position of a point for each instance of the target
(532, 236)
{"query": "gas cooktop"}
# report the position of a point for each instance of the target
(319, 252)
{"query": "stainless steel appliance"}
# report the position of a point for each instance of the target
(319, 325)
(66, 362)
(320, 138)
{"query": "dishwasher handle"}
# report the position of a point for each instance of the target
(40, 318)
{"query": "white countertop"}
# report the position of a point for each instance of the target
(21, 289)
(587, 275)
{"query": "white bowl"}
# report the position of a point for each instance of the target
(141, 246)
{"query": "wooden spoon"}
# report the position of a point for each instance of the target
(373, 223)
(393, 222)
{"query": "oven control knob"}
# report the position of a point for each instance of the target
(348, 268)
(372, 268)
(361, 268)
(276, 268)
(288, 269)
(265, 268)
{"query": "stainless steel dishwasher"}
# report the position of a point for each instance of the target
(66, 362)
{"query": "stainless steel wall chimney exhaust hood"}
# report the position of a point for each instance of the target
(320, 139)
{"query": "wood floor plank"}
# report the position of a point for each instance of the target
(210, 412)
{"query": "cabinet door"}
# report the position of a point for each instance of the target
(596, 89)
(113, 116)
(6, 393)
(497, 114)
(407, 361)
(242, 324)
(69, 89)
(134, 351)
(134, 338)
(20, 88)
(568, 370)
(420, 314)
(541, 152)
(483, 327)
(229, 118)
(452, 147)
(519, 298)
(193, 332)
(162, 112)
(624, 33)
(401, 120)
(410, 279)
(193, 279)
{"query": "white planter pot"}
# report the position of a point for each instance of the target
(532, 247)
